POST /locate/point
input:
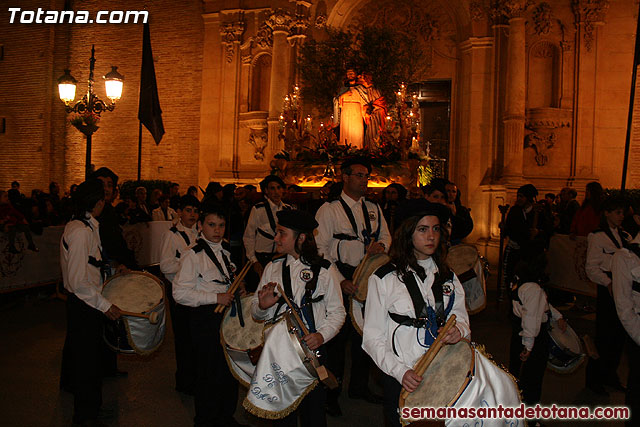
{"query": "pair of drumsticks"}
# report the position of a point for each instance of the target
(236, 283)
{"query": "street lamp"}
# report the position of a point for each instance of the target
(90, 107)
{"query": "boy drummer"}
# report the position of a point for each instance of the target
(175, 243)
(203, 281)
(321, 304)
(416, 284)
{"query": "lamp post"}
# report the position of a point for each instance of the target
(90, 107)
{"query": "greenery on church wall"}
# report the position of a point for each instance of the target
(383, 52)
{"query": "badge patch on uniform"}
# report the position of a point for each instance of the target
(233, 267)
(447, 289)
(306, 274)
(372, 216)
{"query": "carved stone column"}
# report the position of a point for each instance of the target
(589, 16)
(515, 91)
(280, 23)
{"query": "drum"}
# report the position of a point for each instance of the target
(565, 350)
(135, 292)
(241, 344)
(282, 377)
(463, 376)
(465, 261)
(361, 276)
(356, 312)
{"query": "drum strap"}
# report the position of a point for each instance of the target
(431, 319)
(367, 223)
(306, 308)
(207, 249)
(184, 235)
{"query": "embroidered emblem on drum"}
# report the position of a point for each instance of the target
(372, 216)
(446, 289)
(306, 274)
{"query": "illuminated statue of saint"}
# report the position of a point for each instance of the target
(349, 111)
(375, 111)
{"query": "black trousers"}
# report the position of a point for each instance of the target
(530, 373)
(83, 358)
(360, 361)
(632, 398)
(216, 391)
(392, 389)
(252, 278)
(185, 360)
(311, 411)
(610, 338)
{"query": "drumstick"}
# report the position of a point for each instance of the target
(153, 317)
(234, 286)
(428, 357)
(324, 374)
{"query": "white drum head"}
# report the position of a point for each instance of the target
(238, 337)
(135, 291)
(356, 313)
(567, 340)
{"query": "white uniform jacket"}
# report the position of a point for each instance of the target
(80, 241)
(258, 228)
(174, 246)
(328, 313)
(599, 253)
(532, 311)
(389, 294)
(158, 215)
(199, 281)
(625, 267)
(333, 220)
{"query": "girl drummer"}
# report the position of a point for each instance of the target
(392, 336)
(202, 282)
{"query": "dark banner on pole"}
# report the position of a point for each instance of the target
(630, 121)
(149, 112)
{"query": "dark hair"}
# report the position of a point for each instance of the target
(402, 250)
(308, 249)
(174, 184)
(163, 198)
(211, 208)
(86, 196)
(15, 183)
(531, 267)
(250, 187)
(192, 188)
(551, 195)
(430, 188)
(402, 192)
(188, 200)
(596, 194)
(105, 172)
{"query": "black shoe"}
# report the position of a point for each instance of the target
(333, 409)
(598, 389)
(368, 396)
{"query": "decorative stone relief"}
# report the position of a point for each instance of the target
(280, 20)
(508, 9)
(231, 33)
(298, 29)
(321, 21)
(542, 127)
(264, 36)
(258, 139)
(589, 13)
(542, 19)
(477, 11)
(541, 143)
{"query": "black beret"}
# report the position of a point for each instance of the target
(297, 220)
(105, 173)
(356, 160)
(269, 179)
(422, 207)
(528, 191)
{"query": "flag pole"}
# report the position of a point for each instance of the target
(139, 149)
(627, 145)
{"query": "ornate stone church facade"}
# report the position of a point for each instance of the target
(538, 90)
